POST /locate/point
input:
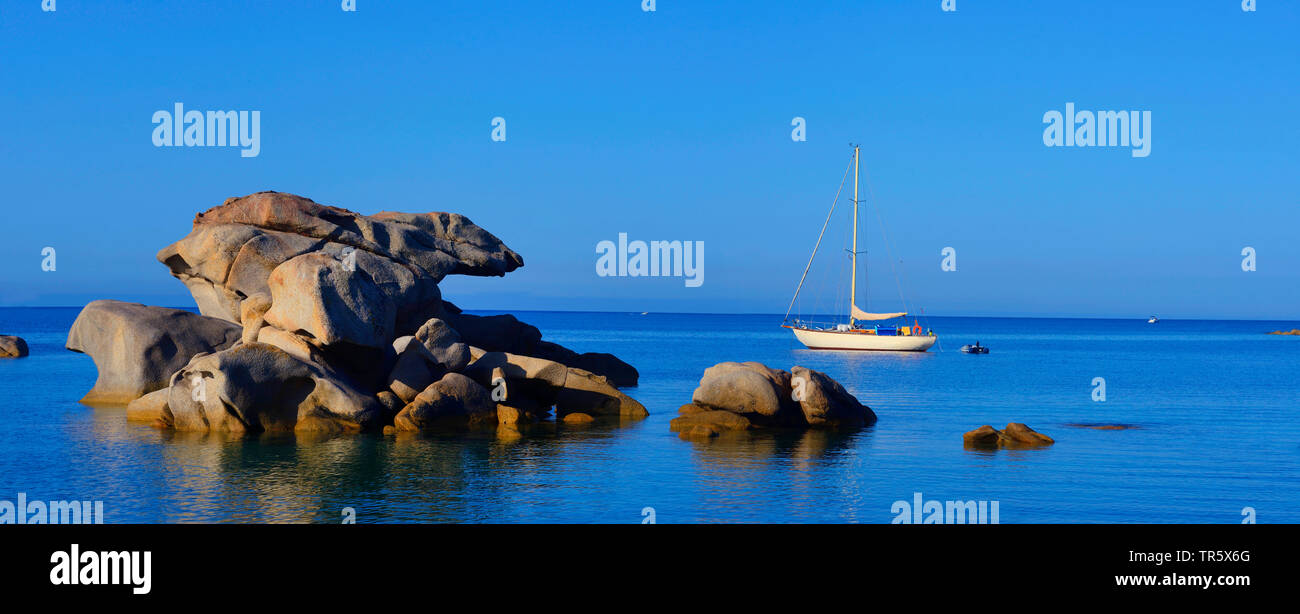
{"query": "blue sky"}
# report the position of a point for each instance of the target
(675, 125)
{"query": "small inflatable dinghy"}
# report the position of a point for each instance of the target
(974, 349)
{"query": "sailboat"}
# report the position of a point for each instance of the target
(853, 335)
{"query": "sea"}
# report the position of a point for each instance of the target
(1209, 410)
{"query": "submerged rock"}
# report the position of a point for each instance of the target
(699, 431)
(12, 347)
(137, 348)
(692, 416)
(1103, 427)
(578, 418)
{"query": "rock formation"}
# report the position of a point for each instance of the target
(315, 318)
(12, 347)
(739, 396)
(1016, 435)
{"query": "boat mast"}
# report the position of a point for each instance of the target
(853, 281)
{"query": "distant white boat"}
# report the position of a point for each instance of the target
(851, 336)
(1153, 320)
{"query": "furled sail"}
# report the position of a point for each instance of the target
(859, 314)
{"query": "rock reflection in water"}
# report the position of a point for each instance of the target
(464, 476)
(737, 467)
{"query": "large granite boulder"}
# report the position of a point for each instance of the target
(453, 401)
(518, 401)
(438, 243)
(257, 387)
(825, 402)
(317, 296)
(498, 333)
(611, 367)
(506, 333)
(414, 369)
(748, 389)
(588, 393)
(366, 366)
(443, 344)
(530, 384)
(615, 371)
(545, 374)
(735, 396)
(12, 347)
(137, 348)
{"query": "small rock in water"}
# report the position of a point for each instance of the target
(699, 431)
(1015, 435)
(1103, 427)
(12, 347)
(983, 436)
(692, 415)
(578, 418)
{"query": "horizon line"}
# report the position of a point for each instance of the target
(773, 315)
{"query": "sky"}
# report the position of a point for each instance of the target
(676, 124)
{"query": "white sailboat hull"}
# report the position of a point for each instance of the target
(846, 340)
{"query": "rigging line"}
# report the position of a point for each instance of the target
(819, 243)
(900, 271)
(885, 235)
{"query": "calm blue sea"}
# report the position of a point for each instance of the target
(1214, 402)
